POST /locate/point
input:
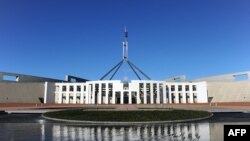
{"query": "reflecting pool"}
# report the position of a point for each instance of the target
(25, 127)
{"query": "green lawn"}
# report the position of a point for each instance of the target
(128, 116)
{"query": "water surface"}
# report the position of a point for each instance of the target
(27, 127)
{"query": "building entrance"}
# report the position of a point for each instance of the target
(125, 94)
(117, 97)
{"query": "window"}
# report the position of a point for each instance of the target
(179, 88)
(240, 77)
(71, 88)
(110, 86)
(180, 95)
(154, 88)
(141, 87)
(64, 88)
(103, 86)
(148, 87)
(194, 87)
(10, 78)
(78, 88)
(72, 80)
(187, 88)
(97, 87)
(195, 98)
(172, 88)
(125, 86)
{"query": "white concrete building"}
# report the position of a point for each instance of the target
(133, 92)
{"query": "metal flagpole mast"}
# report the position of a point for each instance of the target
(115, 69)
(125, 44)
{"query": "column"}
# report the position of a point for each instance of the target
(93, 95)
(121, 98)
(129, 97)
(106, 93)
(170, 93)
(82, 93)
(113, 97)
(176, 94)
(88, 92)
(158, 93)
(191, 96)
(67, 93)
(74, 94)
(164, 93)
(59, 94)
(144, 93)
(99, 100)
(184, 96)
(151, 94)
(138, 100)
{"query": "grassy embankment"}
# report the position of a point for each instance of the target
(128, 116)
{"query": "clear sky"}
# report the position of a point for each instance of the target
(167, 38)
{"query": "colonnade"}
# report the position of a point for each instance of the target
(135, 92)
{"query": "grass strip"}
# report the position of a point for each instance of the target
(127, 116)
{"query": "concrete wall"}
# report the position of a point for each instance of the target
(13, 92)
(226, 77)
(26, 78)
(49, 92)
(237, 91)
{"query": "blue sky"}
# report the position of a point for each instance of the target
(167, 38)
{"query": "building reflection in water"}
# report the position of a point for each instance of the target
(33, 128)
(171, 132)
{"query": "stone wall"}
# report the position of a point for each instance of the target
(13, 92)
(237, 91)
